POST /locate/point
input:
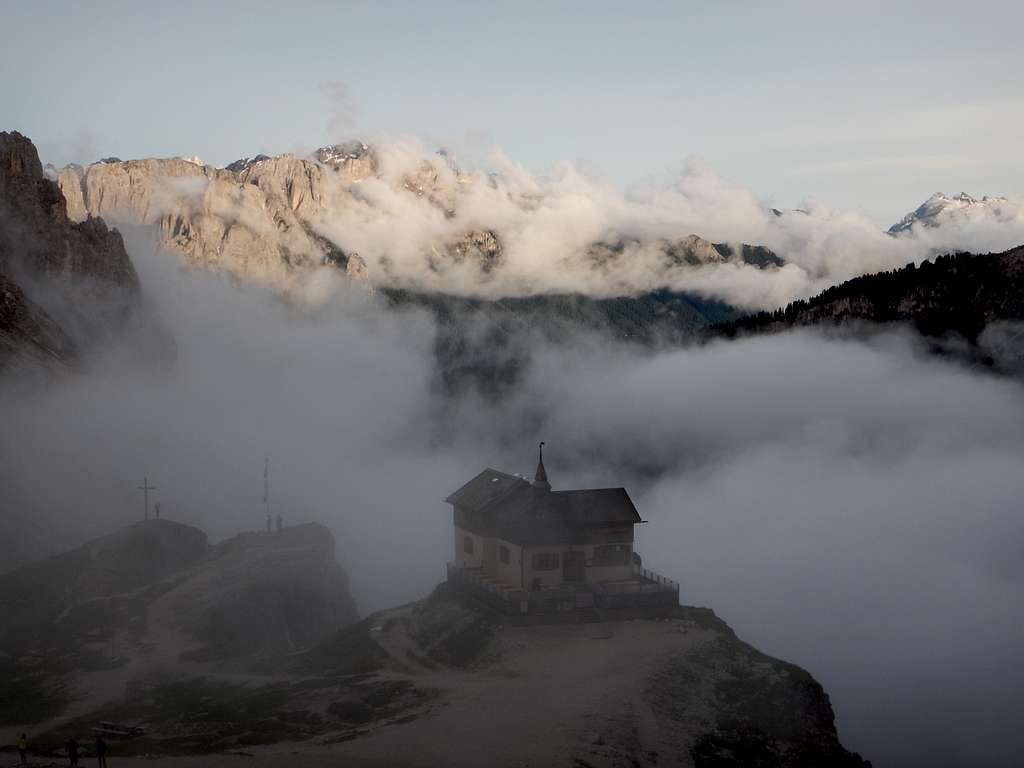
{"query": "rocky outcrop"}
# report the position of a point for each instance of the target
(34, 597)
(154, 599)
(480, 248)
(262, 593)
(28, 335)
(174, 595)
(251, 219)
(353, 160)
(696, 251)
(689, 251)
(63, 279)
(743, 706)
(40, 237)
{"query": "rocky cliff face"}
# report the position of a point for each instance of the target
(39, 234)
(262, 593)
(63, 280)
(269, 218)
(252, 219)
(29, 337)
(247, 222)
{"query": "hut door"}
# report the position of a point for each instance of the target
(572, 566)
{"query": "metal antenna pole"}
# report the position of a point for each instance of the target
(266, 485)
(146, 488)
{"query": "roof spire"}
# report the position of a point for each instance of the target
(540, 478)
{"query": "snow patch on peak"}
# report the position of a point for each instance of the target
(942, 209)
(341, 153)
(246, 163)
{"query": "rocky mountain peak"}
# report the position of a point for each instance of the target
(18, 157)
(23, 185)
(940, 208)
(245, 163)
(85, 282)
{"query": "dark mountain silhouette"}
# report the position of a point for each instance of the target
(959, 294)
(488, 342)
(64, 285)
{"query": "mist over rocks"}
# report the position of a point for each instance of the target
(755, 435)
(247, 224)
(34, 597)
(969, 306)
(416, 221)
(256, 593)
(775, 437)
(261, 593)
(154, 604)
(29, 337)
(39, 237)
(67, 286)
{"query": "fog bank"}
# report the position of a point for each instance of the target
(400, 220)
(850, 506)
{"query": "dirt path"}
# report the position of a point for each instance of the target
(512, 713)
(571, 695)
(404, 655)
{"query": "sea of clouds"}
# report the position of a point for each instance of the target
(547, 224)
(852, 506)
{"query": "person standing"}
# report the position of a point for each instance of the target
(72, 748)
(23, 749)
(280, 524)
(101, 752)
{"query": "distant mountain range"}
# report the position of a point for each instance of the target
(268, 218)
(960, 294)
(488, 343)
(262, 219)
(939, 210)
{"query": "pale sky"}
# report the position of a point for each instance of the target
(866, 106)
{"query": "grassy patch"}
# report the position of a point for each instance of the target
(369, 701)
(450, 632)
(197, 715)
(348, 651)
(464, 645)
(30, 694)
(734, 749)
(352, 711)
(204, 701)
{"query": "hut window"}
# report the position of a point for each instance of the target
(503, 554)
(612, 554)
(545, 561)
(467, 545)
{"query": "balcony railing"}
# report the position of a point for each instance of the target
(645, 582)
